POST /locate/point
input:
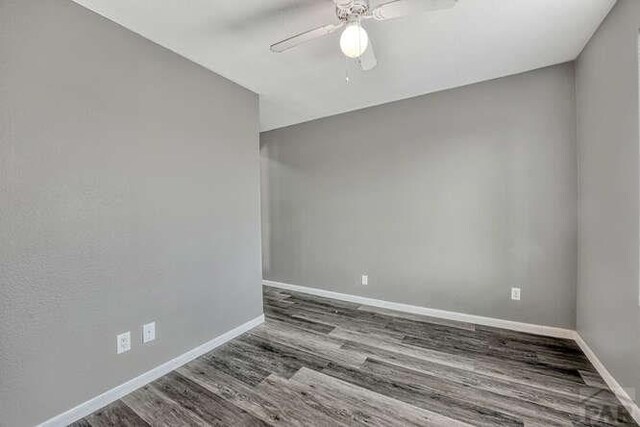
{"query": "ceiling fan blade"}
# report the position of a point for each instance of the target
(368, 59)
(400, 8)
(298, 39)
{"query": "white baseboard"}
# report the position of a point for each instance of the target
(614, 385)
(122, 390)
(441, 314)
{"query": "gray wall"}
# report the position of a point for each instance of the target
(445, 200)
(607, 111)
(129, 181)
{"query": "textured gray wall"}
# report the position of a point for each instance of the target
(129, 181)
(607, 110)
(445, 200)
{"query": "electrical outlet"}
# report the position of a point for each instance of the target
(365, 280)
(515, 294)
(123, 342)
(148, 332)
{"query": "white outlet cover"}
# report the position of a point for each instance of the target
(515, 294)
(148, 332)
(123, 342)
(365, 279)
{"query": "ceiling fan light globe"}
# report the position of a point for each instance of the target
(354, 40)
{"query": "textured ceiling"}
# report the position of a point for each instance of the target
(477, 40)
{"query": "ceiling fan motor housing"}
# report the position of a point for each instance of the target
(350, 10)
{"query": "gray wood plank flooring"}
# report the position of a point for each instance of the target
(323, 362)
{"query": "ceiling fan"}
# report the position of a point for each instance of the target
(354, 41)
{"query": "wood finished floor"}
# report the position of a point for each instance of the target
(324, 362)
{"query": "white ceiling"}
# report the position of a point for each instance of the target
(475, 41)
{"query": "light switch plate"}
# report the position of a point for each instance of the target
(148, 332)
(123, 342)
(365, 279)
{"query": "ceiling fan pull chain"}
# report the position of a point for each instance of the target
(346, 70)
